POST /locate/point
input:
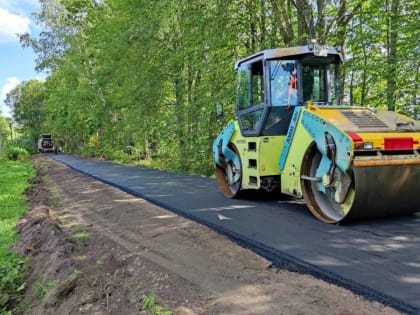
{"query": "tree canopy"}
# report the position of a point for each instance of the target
(143, 76)
(27, 103)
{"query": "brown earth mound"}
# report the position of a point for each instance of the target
(94, 249)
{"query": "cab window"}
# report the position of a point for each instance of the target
(251, 96)
(320, 83)
(249, 121)
(250, 85)
(283, 83)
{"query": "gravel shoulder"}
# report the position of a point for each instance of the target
(94, 249)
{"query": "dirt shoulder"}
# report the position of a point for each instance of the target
(94, 249)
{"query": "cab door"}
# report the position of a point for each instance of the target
(251, 97)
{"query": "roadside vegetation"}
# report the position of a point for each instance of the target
(16, 170)
(14, 179)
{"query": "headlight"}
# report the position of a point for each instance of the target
(367, 145)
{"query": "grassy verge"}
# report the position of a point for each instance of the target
(14, 178)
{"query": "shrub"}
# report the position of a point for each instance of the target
(16, 153)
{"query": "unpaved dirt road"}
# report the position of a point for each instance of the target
(94, 249)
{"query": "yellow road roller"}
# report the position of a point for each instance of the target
(291, 135)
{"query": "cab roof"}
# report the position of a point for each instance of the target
(316, 50)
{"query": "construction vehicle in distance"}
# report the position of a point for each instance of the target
(46, 145)
(291, 135)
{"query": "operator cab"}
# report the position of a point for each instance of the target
(273, 82)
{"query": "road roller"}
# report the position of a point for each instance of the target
(292, 135)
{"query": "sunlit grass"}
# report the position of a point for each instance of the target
(14, 179)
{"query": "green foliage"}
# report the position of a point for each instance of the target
(26, 143)
(11, 281)
(147, 74)
(5, 133)
(11, 136)
(43, 287)
(14, 178)
(5, 124)
(14, 153)
(383, 71)
(147, 302)
(79, 235)
(27, 102)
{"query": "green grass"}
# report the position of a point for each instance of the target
(14, 176)
(42, 288)
(79, 235)
(146, 302)
(149, 304)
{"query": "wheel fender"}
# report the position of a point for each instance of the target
(221, 151)
(318, 127)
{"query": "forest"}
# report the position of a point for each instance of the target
(138, 81)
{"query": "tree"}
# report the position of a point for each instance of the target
(300, 21)
(5, 131)
(393, 10)
(26, 101)
(383, 48)
(60, 20)
(147, 74)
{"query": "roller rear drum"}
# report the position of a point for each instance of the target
(375, 190)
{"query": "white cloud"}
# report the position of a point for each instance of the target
(12, 24)
(13, 5)
(10, 84)
(5, 3)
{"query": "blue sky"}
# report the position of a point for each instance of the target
(17, 64)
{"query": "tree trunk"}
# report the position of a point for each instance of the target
(393, 17)
(282, 16)
(306, 27)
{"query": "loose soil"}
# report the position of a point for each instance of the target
(94, 249)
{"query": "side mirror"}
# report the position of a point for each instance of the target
(219, 111)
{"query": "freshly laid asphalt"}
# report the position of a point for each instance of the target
(378, 259)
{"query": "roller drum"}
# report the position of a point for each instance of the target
(385, 190)
(380, 187)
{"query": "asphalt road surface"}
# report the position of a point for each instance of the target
(379, 259)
